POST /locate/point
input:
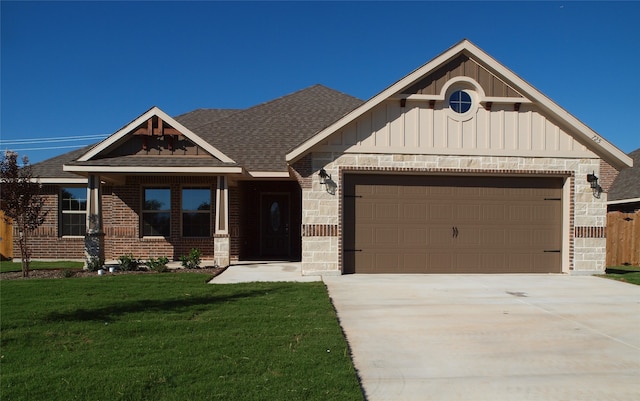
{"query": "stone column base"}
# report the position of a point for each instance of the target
(221, 246)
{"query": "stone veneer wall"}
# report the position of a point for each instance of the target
(321, 211)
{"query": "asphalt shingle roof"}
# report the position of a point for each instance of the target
(200, 117)
(627, 184)
(52, 168)
(258, 138)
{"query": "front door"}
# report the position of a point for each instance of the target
(274, 225)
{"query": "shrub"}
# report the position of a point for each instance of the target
(94, 264)
(67, 273)
(191, 261)
(128, 263)
(158, 265)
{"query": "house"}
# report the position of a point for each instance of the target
(623, 216)
(461, 166)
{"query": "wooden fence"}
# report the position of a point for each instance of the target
(623, 238)
(6, 238)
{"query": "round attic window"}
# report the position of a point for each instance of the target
(460, 101)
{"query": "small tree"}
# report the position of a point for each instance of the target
(22, 202)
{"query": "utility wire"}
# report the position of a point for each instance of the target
(51, 147)
(50, 140)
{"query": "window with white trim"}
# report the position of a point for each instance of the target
(156, 212)
(73, 211)
(196, 212)
(460, 101)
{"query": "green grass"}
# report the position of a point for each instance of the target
(171, 337)
(8, 266)
(628, 274)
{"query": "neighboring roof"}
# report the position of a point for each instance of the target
(258, 138)
(604, 149)
(627, 184)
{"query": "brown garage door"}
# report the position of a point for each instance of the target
(442, 224)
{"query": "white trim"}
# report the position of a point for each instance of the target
(269, 174)
(61, 180)
(609, 152)
(622, 201)
(222, 197)
(154, 111)
(150, 169)
(513, 100)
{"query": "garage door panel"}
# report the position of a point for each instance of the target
(386, 211)
(441, 224)
(387, 237)
(414, 237)
(439, 237)
(493, 212)
(415, 262)
(468, 212)
(439, 262)
(414, 213)
(468, 237)
(440, 212)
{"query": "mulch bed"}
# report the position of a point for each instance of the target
(60, 273)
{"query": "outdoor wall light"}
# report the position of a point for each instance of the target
(324, 176)
(325, 179)
(592, 179)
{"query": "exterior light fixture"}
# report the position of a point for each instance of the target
(324, 176)
(325, 179)
(592, 179)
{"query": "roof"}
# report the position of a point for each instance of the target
(49, 169)
(258, 138)
(627, 184)
(582, 132)
(255, 139)
(200, 117)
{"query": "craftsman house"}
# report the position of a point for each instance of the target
(460, 166)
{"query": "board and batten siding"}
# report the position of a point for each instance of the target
(419, 129)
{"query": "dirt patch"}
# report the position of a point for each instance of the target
(70, 273)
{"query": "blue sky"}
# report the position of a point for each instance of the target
(73, 69)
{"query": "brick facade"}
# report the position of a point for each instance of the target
(121, 206)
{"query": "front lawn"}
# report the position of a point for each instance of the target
(171, 337)
(9, 266)
(628, 274)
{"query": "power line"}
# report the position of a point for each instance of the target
(50, 148)
(50, 140)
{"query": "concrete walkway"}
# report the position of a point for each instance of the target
(491, 337)
(263, 271)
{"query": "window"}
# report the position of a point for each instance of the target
(460, 101)
(196, 212)
(73, 211)
(156, 212)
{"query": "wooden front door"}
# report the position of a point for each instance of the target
(275, 225)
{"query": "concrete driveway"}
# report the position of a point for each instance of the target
(491, 337)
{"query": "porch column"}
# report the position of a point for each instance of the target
(94, 237)
(221, 240)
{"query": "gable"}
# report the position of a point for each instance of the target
(155, 137)
(154, 133)
(509, 117)
(461, 66)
